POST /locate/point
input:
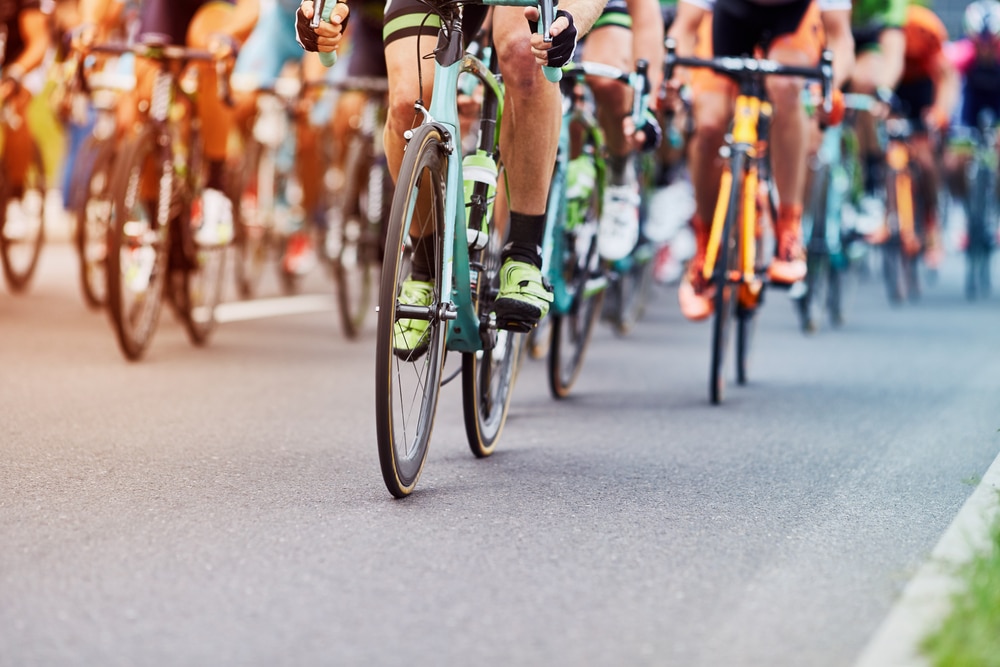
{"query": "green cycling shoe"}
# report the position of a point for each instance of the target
(411, 337)
(524, 297)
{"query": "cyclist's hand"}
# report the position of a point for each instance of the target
(222, 46)
(560, 50)
(668, 97)
(835, 115)
(647, 136)
(936, 119)
(83, 37)
(326, 38)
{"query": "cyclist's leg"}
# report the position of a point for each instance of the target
(917, 97)
(799, 45)
(529, 136)
(610, 43)
(712, 105)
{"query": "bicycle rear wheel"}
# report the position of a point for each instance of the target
(585, 282)
(725, 297)
(488, 375)
(92, 221)
(407, 385)
(980, 210)
(199, 271)
(631, 289)
(255, 242)
(137, 245)
(22, 224)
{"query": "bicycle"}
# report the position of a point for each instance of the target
(734, 261)
(981, 208)
(91, 180)
(901, 247)
(359, 207)
(22, 208)
(151, 246)
(579, 277)
(829, 242)
(465, 268)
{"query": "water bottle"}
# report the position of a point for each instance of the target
(479, 168)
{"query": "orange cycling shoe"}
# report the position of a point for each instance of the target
(789, 265)
(695, 293)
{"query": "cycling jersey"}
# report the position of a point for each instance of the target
(925, 38)
(271, 44)
(11, 40)
(881, 13)
(980, 81)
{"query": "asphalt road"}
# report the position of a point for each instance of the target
(223, 506)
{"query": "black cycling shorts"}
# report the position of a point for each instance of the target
(168, 20)
(739, 26)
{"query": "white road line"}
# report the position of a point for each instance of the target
(926, 599)
(256, 309)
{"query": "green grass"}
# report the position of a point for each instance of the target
(970, 635)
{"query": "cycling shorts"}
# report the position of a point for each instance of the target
(615, 13)
(367, 52)
(980, 92)
(269, 47)
(740, 26)
(409, 18)
(916, 97)
(169, 19)
(868, 37)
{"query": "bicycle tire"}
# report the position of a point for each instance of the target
(199, 272)
(356, 262)
(583, 277)
(488, 375)
(403, 431)
(632, 290)
(138, 247)
(817, 251)
(724, 299)
(92, 220)
(979, 242)
(255, 218)
(21, 248)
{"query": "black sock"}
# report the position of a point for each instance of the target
(525, 241)
(216, 175)
(422, 262)
(617, 164)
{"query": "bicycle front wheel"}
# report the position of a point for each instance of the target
(255, 242)
(199, 271)
(137, 245)
(584, 280)
(356, 261)
(724, 299)
(407, 382)
(92, 220)
(22, 224)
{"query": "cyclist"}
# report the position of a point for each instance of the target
(531, 126)
(219, 27)
(927, 94)
(627, 31)
(791, 33)
(27, 41)
(879, 46)
(977, 60)
(269, 48)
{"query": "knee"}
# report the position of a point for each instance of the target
(522, 75)
(608, 93)
(401, 110)
(784, 93)
(711, 123)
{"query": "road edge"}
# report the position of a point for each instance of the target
(926, 599)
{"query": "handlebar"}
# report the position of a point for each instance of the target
(742, 68)
(162, 51)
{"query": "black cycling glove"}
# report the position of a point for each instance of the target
(305, 35)
(563, 44)
(650, 126)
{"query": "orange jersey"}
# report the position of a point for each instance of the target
(925, 37)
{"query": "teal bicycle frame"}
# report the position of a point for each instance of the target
(450, 61)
